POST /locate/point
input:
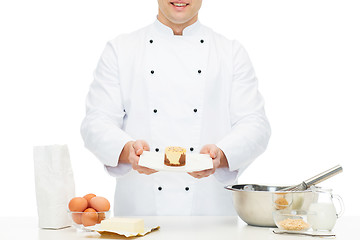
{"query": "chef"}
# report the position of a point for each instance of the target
(174, 83)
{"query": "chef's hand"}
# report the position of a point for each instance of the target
(131, 154)
(218, 157)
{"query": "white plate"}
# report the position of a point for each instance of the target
(194, 162)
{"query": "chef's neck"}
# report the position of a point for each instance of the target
(177, 28)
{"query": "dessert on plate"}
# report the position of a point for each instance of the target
(175, 156)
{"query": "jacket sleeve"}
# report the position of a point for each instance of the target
(101, 127)
(250, 129)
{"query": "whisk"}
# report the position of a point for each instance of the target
(315, 180)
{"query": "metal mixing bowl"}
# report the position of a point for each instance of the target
(255, 204)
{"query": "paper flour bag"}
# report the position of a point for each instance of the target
(54, 185)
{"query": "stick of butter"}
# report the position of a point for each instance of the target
(135, 225)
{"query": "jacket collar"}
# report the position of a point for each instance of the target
(192, 30)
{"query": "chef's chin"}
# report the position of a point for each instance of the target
(180, 14)
(181, 18)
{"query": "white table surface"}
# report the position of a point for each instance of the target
(189, 227)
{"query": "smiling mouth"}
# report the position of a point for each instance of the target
(177, 4)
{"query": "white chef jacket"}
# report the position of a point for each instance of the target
(190, 90)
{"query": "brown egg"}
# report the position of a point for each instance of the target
(78, 204)
(100, 204)
(88, 197)
(89, 217)
(76, 217)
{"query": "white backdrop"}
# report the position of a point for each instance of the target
(306, 55)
